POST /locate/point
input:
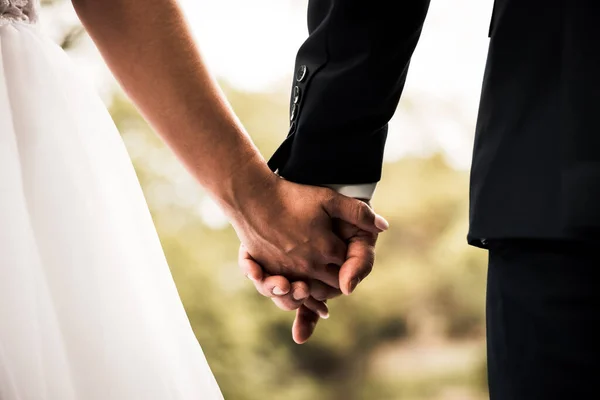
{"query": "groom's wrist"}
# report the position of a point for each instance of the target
(360, 191)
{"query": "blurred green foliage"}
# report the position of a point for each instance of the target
(414, 330)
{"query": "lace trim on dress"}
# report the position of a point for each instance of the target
(17, 11)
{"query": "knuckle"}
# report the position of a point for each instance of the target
(327, 194)
(286, 304)
(301, 288)
(330, 198)
(303, 265)
(362, 211)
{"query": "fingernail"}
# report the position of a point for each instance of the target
(277, 291)
(354, 284)
(381, 223)
(323, 314)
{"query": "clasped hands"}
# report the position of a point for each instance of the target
(303, 245)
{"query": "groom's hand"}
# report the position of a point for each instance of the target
(358, 265)
(287, 228)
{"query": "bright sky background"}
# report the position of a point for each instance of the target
(253, 43)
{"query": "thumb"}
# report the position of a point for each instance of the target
(359, 264)
(355, 212)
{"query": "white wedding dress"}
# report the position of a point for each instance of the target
(88, 308)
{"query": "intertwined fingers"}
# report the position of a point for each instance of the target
(288, 296)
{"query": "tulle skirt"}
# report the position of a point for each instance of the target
(88, 308)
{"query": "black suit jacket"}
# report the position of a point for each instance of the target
(536, 160)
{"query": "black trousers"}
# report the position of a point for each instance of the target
(543, 320)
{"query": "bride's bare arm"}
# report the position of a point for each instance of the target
(148, 47)
(285, 226)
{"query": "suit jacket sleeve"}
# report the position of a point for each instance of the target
(349, 76)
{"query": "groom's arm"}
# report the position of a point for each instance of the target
(349, 76)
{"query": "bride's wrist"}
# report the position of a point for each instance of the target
(248, 185)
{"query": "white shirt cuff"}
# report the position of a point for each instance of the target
(362, 191)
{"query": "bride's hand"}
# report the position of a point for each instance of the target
(288, 229)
